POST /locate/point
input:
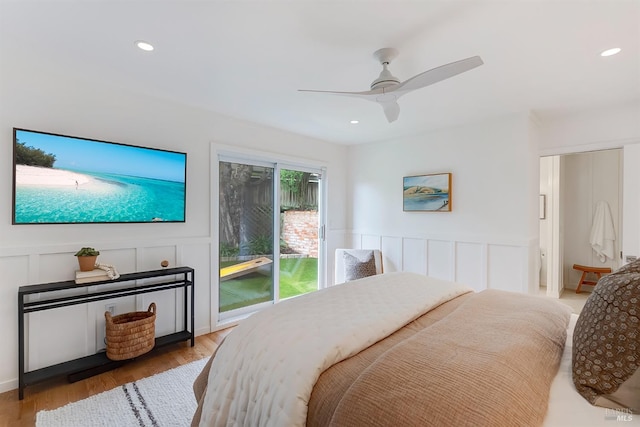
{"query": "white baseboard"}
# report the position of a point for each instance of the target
(202, 331)
(8, 385)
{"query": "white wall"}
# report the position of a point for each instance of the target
(487, 239)
(34, 99)
(596, 129)
(491, 238)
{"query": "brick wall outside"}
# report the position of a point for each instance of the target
(300, 231)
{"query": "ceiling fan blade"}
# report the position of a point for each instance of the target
(438, 74)
(369, 94)
(391, 110)
(381, 96)
(388, 94)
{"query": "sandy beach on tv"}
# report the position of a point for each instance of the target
(38, 176)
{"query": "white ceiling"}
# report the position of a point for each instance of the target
(246, 59)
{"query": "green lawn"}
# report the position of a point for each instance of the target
(297, 276)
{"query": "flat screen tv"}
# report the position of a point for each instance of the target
(61, 179)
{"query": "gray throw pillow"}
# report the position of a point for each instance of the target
(358, 268)
(606, 342)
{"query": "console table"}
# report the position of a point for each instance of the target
(77, 369)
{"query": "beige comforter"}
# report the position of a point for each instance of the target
(485, 359)
(480, 359)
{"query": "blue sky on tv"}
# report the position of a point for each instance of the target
(102, 157)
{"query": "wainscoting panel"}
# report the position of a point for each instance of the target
(391, 254)
(470, 262)
(440, 261)
(60, 335)
(66, 333)
(414, 255)
(507, 268)
(198, 256)
(169, 304)
(369, 241)
(476, 263)
(150, 258)
(125, 260)
(14, 271)
(55, 267)
(336, 239)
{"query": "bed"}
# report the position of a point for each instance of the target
(397, 349)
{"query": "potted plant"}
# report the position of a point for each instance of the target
(87, 258)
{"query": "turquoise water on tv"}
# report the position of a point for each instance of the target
(108, 198)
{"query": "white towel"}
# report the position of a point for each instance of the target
(602, 232)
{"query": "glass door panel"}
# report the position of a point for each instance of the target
(299, 225)
(246, 237)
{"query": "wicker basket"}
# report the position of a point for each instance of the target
(130, 334)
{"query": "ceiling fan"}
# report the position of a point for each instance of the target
(387, 89)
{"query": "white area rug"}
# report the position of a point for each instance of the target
(165, 399)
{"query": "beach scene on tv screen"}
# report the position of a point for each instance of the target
(61, 179)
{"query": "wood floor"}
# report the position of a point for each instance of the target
(53, 394)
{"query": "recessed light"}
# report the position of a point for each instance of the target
(610, 52)
(354, 122)
(146, 46)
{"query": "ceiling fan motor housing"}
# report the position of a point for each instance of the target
(385, 79)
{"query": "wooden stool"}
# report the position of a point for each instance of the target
(585, 270)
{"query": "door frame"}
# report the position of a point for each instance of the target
(555, 236)
(238, 154)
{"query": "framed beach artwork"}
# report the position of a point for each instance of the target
(60, 179)
(427, 193)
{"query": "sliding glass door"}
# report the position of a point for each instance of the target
(270, 243)
(300, 223)
(246, 230)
